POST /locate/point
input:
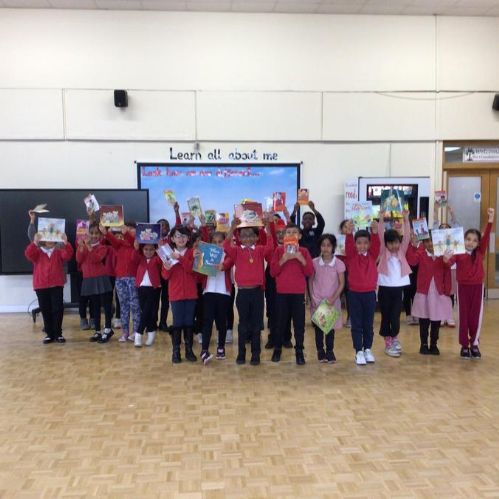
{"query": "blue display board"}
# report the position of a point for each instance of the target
(218, 186)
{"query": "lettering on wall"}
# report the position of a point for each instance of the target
(216, 154)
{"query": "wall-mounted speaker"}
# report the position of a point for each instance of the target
(121, 98)
(495, 104)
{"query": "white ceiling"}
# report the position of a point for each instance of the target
(390, 7)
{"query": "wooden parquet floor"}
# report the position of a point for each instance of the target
(87, 420)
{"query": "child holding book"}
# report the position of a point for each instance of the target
(249, 259)
(48, 282)
(217, 291)
(361, 253)
(432, 303)
(393, 276)
(290, 266)
(310, 234)
(470, 283)
(96, 284)
(327, 283)
(182, 289)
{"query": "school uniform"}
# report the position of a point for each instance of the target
(310, 238)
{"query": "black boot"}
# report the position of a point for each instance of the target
(300, 359)
(188, 337)
(435, 327)
(176, 338)
(423, 335)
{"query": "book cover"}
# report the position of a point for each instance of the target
(210, 217)
(194, 205)
(340, 245)
(81, 228)
(223, 222)
(441, 198)
(165, 252)
(278, 201)
(51, 229)
(111, 215)
(211, 255)
(393, 202)
(420, 227)
(186, 218)
(325, 316)
(40, 208)
(290, 244)
(448, 239)
(147, 233)
(170, 196)
(360, 212)
(303, 197)
(91, 203)
(250, 214)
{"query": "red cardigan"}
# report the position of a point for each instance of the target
(153, 267)
(125, 263)
(48, 272)
(182, 284)
(428, 269)
(362, 271)
(291, 277)
(93, 263)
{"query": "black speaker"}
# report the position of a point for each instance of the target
(120, 98)
(495, 104)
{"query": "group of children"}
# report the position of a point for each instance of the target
(376, 268)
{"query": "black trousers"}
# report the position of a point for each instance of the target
(424, 327)
(290, 306)
(198, 312)
(116, 309)
(270, 301)
(165, 303)
(390, 305)
(230, 310)
(249, 303)
(52, 309)
(83, 301)
(215, 307)
(319, 340)
(410, 291)
(148, 298)
(104, 300)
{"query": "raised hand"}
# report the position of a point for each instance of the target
(490, 213)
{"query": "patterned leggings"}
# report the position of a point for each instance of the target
(129, 302)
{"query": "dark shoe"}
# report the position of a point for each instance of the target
(220, 354)
(300, 359)
(465, 353)
(106, 336)
(188, 338)
(95, 337)
(475, 353)
(47, 340)
(205, 356)
(287, 344)
(276, 356)
(189, 355)
(434, 350)
(255, 360)
(241, 359)
(331, 359)
(321, 356)
(61, 339)
(424, 350)
(176, 359)
(269, 345)
(163, 327)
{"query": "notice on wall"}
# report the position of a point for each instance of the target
(351, 194)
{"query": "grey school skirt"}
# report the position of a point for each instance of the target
(95, 285)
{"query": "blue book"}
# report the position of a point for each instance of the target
(211, 255)
(148, 233)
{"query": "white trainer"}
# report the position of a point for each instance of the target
(132, 337)
(150, 338)
(392, 351)
(396, 345)
(360, 358)
(228, 337)
(368, 355)
(138, 340)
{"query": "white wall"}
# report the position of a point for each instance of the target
(347, 95)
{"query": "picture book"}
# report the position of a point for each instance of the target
(194, 205)
(210, 217)
(291, 244)
(223, 222)
(170, 196)
(448, 239)
(40, 208)
(325, 316)
(278, 201)
(250, 214)
(440, 198)
(165, 252)
(393, 202)
(91, 203)
(51, 229)
(111, 215)
(210, 256)
(303, 197)
(360, 212)
(147, 233)
(420, 227)
(81, 229)
(340, 245)
(186, 218)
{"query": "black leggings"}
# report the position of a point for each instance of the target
(104, 300)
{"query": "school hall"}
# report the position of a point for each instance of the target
(248, 248)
